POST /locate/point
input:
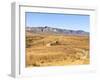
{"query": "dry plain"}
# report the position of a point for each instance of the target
(56, 50)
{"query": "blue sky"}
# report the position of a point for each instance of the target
(63, 21)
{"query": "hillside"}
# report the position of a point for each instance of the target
(46, 46)
(50, 30)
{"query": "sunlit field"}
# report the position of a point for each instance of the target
(56, 50)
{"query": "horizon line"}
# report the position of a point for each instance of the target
(60, 28)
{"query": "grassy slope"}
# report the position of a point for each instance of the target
(68, 50)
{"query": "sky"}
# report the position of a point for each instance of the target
(63, 21)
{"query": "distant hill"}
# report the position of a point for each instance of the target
(50, 30)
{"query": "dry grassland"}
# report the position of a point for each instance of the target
(56, 50)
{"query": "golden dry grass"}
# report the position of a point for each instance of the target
(56, 50)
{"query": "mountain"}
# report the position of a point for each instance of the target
(50, 30)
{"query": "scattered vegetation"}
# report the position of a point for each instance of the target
(56, 50)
